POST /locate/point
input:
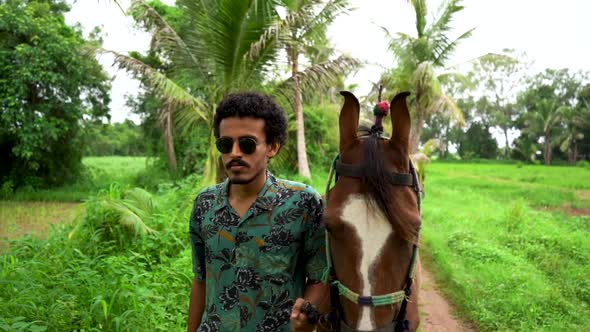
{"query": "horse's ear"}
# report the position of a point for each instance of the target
(400, 121)
(349, 119)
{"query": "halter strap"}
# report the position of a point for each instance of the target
(379, 300)
(353, 171)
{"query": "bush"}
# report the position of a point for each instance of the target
(125, 266)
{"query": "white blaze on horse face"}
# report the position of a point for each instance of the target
(372, 229)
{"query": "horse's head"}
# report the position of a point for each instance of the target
(372, 220)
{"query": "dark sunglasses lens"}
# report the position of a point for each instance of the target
(247, 145)
(224, 144)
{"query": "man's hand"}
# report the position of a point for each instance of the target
(299, 321)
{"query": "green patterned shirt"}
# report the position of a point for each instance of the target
(256, 266)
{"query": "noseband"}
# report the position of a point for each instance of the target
(337, 289)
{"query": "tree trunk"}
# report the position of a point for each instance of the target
(169, 141)
(574, 152)
(506, 147)
(417, 130)
(548, 151)
(302, 163)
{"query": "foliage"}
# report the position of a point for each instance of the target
(477, 142)
(547, 97)
(217, 46)
(117, 139)
(102, 276)
(321, 123)
(498, 78)
(418, 57)
(98, 173)
(49, 84)
(301, 30)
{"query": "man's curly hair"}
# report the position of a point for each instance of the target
(255, 105)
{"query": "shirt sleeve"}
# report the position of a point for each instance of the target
(196, 239)
(315, 247)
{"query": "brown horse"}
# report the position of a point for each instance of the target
(373, 222)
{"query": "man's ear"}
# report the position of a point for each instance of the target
(273, 149)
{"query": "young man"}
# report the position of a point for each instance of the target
(257, 241)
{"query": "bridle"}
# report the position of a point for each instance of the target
(337, 289)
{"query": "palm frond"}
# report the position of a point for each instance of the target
(444, 47)
(272, 34)
(128, 218)
(324, 17)
(445, 104)
(321, 75)
(421, 11)
(164, 88)
(163, 36)
(449, 9)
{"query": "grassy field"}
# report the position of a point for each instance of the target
(33, 212)
(510, 245)
(35, 218)
(100, 173)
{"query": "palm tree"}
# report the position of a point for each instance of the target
(575, 121)
(305, 22)
(542, 116)
(217, 47)
(417, 59)
(547, 103)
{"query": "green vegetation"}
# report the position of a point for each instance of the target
(104, 273)
(501, 255)
(507, 239)
(114, 139)
(98, 173)
(498, 237)
(49, 85)
(35, 218)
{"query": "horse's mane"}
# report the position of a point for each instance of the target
(378, 186)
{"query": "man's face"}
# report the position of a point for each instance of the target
(241, 167)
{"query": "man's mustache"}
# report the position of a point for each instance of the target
(236, 162)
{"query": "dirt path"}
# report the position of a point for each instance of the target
(437, 314)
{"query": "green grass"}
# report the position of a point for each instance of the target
(100, 173)
(505, 263)
(20, 218)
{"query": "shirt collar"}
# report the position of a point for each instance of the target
(262, 201)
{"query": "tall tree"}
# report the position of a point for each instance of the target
(419, 57)
(49, 85)
(498, 78)
(218, 47)
(302, 28)
(549, 93)
(575, 123)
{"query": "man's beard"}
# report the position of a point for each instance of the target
(237, 180)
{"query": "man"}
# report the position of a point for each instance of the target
(257, 241)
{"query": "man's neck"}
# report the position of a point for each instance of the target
(245, 191)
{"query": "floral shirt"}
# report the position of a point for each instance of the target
(256, 266)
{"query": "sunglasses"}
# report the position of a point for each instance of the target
(247, 144)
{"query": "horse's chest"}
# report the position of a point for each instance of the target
(372, 230)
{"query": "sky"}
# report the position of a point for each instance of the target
(554, 34)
